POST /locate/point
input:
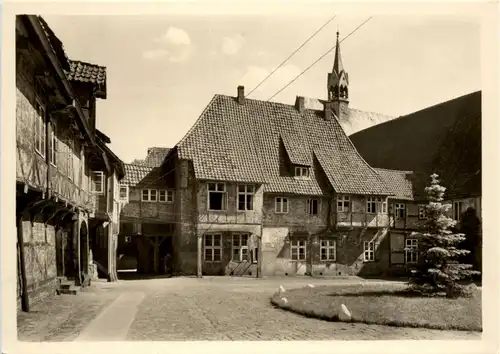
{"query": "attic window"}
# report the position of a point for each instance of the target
(302, 172)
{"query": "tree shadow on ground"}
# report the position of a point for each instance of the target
(139, 276)
(375, 293)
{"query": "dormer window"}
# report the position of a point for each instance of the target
(302, 172)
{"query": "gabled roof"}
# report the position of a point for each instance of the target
(400, 182)
(88, 73)
(241, 142)
(443, 139)
(155, 156)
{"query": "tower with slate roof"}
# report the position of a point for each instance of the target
(338, 86)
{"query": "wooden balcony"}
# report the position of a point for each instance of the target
(362, 219)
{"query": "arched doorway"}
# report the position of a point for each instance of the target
(84, 248)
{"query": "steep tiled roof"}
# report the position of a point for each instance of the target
(241, 142)
(155, 156)
(143, 176)
(400, 182)
(86, 72)
(355, 120)
(443, 139)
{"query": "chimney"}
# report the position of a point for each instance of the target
(328, 110)
(241, 94)
(299, 104)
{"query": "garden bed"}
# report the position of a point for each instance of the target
(383, 304)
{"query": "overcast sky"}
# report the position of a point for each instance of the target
(163, 70)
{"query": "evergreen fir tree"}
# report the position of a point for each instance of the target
(439, 271)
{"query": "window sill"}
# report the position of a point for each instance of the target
(328, 260)
(213, 261)
(215, 210)
(245, 211)
(298, 260)
(372, 261)
(278, 212)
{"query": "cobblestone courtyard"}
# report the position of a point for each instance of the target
(195, 309)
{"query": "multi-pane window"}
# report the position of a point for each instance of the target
(343, 203)
(376, 205)
(422, 212)
(328, 250)
(368, 251)
(39, 128)
(298, 248)
(400, 210)
(124, 192)
(216, 196)
(53, 144)
(457, 210)
(149, 195)
(281, 205)
(240, 248)
(411, 250)
(166, 196)
(301, 171)
(98, 182)
(313, 206)
(245, 197)
(213, 248)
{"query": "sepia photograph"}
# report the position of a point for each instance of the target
(248, 176)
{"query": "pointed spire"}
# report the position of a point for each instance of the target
(338, 67)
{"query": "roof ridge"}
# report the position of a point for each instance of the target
(373, 112)
(136, 165)
(86, 63)
(390, 169)
(441, 103)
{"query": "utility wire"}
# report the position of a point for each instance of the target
(291, 55)
(321, 57)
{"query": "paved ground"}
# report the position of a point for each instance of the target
(219, 308)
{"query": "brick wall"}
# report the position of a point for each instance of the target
(137, 209)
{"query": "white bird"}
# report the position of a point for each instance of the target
(344, 314)
(310, 285)
(285, 301)
(282, 289)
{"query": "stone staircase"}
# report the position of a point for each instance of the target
(67, 286)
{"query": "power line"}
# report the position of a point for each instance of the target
(291, 55)
(321, 57)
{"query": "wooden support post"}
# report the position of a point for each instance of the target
(155, 255)
(25, 305)
(259, 257)
(199, 253)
